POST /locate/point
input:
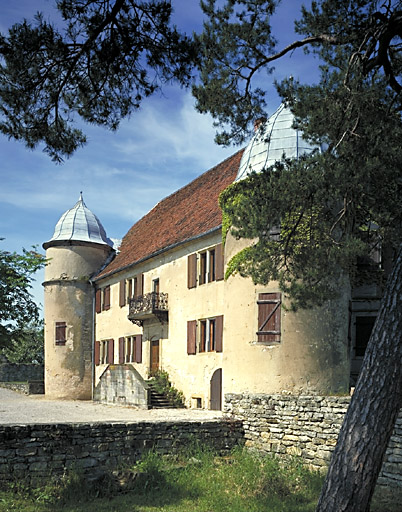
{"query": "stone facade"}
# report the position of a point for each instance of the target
(38, 452)
(306, 426)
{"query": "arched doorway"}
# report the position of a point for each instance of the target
(215, 402)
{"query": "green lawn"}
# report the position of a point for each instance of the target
(198, 481)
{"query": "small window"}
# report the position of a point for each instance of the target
(138, 285)
(129, 289)
(210, 335)
(211, 265)
(269, 317)
(103, 352)
(133, 349)
(203, 268)
(60, 336)
(122, 293)
(106, 298)
(203, 336)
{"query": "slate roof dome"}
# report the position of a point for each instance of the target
(273, 140)
(79, 224)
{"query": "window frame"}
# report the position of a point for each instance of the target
(205, 335)
(205, 266)
(269, 326)
(60, 334)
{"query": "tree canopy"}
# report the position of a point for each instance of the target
(27, 344)
(17, 307)
(334, 208)
(358, 38)
(105, 58)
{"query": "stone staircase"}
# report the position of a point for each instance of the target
(158, 400)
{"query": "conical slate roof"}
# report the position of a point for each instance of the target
(81, 225)
(271, 142)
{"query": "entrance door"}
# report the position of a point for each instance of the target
(154, 356)
(216, 391)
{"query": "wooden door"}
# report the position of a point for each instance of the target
(215, 403)
(154, 356)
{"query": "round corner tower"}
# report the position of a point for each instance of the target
(78, 249)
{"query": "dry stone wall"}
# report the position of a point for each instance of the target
(12, 372)
(306, 426)
(39, 452)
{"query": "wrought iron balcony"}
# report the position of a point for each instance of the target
(148, 306)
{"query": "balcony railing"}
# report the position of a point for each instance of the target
(148, 306)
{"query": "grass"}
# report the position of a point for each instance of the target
(195, 481)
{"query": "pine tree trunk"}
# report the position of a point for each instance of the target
(370, 419)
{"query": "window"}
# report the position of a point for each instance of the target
(203, 268)
(130, 349)
(106, 298)
(98, 301)
(207, 335)
(129, 288)
(104, 352)
(269, 317)
(210, 266)
(122, 293)
(210, 334)
(60, 334)
(138, 285)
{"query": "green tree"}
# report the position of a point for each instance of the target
(107, 57)
(17, 307)
(332, 208)
(27, 344)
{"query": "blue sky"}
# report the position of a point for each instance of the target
(123, 174)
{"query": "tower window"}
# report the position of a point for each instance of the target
(60, 335)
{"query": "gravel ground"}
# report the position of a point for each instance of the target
(18, 409)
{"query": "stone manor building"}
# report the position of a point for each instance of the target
(161, 303)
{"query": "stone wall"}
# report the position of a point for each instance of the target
(12, 372)
(32, 387)
(306, 426)
(37, 452)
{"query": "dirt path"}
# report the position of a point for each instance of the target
(20, 409)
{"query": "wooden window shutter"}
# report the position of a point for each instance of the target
(138, 285)
(110, 351)
(203, 268)
(191, 336)
(192, 271)
(121, 350)
(269, 317)
(61, 333)
(97, 352)
(98, 301)
(122, 293)
(219, 333)
(212, 265)
(106, 298)
(138, 348)
(219, 263)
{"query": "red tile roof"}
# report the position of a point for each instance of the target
(186, 214)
